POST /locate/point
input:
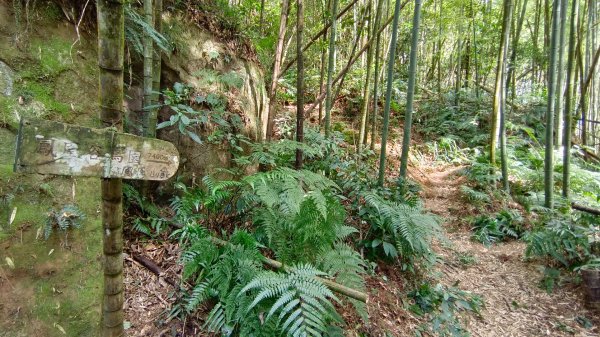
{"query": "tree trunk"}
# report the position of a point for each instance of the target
(513, 53)
(156, 68)
(459, 65)
(148, 62)
(299, 81)
(357, 36)
(388, 94)
(376, 74)
(350, 63)
(412, 77)
(560, 75)
(568, 116)
(322, 67)
(367, 92)
(475, 58)
(111, 43)
(276, 66)
(330, 69)
(319, 34)
(503, 91)
(498, 89)
(549, 158)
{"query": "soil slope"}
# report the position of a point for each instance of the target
(515, 305)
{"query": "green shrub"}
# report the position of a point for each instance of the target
(442, 305)
(504, 225)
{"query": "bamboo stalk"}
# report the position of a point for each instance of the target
(586, 209)
(111, 43)
(338, 288)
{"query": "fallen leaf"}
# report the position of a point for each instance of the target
(51, 251)
(10, 262)
(12, 216)
(60, 328)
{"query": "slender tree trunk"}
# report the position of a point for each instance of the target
(261, 21)
(330, 69)
(515, 45)
(475, 57)
(583, 106)
(439, 52)
(349, 64)
(299, 81)
(367, 92)
(459, 64)
(357, 36)
(376, 74)
(148, 62)
(412, 77)
(322, 68)
(535, 39)
(568, 115)
(549, 158)
(322, 32)
(503, 92)
(560, 75)
(388, 94)
(111, 43)
(156, 69)
(498, 90)
(276, 66)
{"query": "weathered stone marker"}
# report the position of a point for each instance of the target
(69, 150)
(47, 147)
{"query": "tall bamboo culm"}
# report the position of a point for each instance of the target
(156, 69)
(567, 113)
(110, 61)
(148, 63)
(388, 94)
(549, 158)
(412, 77)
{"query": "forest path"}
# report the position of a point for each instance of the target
(514, 304)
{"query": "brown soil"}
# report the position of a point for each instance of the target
(514, 304)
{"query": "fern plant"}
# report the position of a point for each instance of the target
(70, 216)
(560, 240)
(302, 304)
(400, 230)
(442, 305)
(504, 225)
(474, 197)
(219, 273)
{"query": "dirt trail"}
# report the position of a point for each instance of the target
(515, 305)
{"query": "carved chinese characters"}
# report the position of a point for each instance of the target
(56, 148)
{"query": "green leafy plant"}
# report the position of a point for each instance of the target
(504, 225)
(474, 197)
(550, 279)
(136, 28)
(302, 303)
(442, 305)
(400, 230)
(70, 216)
(193, 110)
(560, 240)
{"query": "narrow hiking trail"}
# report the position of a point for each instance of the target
(514, 304)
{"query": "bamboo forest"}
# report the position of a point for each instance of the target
(305, 168)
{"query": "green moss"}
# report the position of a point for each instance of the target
(7, 116)
(53, 55)
(43, 93)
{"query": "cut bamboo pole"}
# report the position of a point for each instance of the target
(336, 287)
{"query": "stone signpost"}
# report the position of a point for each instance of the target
(47, 147)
